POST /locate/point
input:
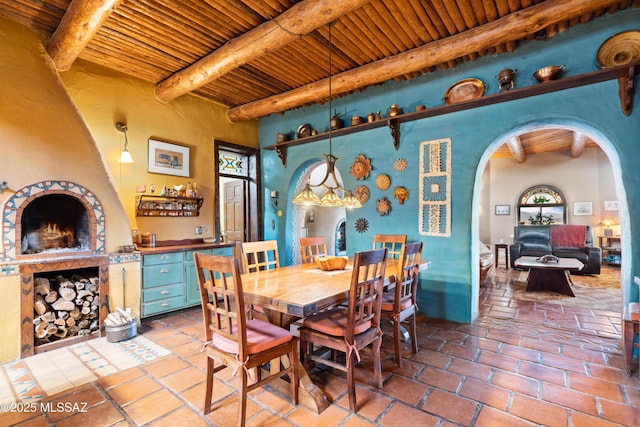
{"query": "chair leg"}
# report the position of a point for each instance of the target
(413, 334)
(351, 382)
(209, 387)
(242, 409)
(377, 365)
(396, 342)
(295, 374)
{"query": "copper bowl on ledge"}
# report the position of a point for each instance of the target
(546, 74)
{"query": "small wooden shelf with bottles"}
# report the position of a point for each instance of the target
(147, 205)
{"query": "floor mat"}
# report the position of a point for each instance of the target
(71, 366)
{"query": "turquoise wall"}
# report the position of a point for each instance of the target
(449, 288)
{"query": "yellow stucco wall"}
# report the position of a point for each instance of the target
(62, 127)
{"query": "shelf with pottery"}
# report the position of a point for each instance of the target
(624, 75)
(148, 205)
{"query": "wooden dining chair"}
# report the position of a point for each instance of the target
(393, 243)
(349, 329)
(234, 341)
(399, 306)
(311, 247)
(261, 255)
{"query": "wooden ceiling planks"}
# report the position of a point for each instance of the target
(153, 39)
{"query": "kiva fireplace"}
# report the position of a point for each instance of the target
(54, 231)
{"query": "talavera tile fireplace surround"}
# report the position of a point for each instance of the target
(53, 230)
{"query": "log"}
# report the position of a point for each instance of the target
(75, 313)
(48, 317)
(52, 296)
(61, 332)
(78, 26)
(62, 304)
(68, 294)
(39, 305)
(302, 18)
(51, 329)
(41, 330)
(71, 321)
(509, 28)
(41, 285)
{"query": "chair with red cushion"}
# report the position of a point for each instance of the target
(234, 341)
(349, 329)
(399, 306)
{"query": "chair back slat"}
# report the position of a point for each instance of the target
(262, 255)
(312, 247)
(407, 280)
(222, 298)
(365, 295)
(393, 242)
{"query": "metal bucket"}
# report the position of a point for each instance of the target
(122, 332)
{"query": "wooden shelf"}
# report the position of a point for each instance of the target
(624, 75)
(168, 206)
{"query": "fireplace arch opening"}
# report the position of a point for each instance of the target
(54, 222)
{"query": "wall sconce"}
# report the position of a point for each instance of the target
(274, 199)
(125, 156)
(4, 186)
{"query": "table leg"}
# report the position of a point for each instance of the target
(550, 280)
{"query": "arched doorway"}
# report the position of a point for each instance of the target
(308, 221)
(483, 217)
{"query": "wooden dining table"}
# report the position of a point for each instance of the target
(288, 294)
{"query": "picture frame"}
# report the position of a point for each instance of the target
(611, 205)
(582, 208)
(503, 210)
(168, 158)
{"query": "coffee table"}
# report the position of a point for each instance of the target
(551, 276)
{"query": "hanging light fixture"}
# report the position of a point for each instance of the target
(336, 195)
(125, 156)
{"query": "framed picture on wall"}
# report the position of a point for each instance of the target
(611, 205)
(168, 159)
(503, 209)
(582, 208)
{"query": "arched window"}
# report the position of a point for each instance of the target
(542, 204)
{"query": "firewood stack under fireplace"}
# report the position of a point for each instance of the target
(65, 307)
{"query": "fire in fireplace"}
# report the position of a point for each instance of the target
(54, 222)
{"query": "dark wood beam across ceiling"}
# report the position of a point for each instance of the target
(511, 27)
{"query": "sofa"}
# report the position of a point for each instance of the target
(561, 240)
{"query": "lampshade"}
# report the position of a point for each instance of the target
(330, 181)
(125, 156)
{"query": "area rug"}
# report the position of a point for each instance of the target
(77, 364)
(598, 291)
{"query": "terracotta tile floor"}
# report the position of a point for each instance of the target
(520, 364)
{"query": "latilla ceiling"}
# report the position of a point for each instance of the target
(259, 57)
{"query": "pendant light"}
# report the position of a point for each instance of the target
(125, 156)
(332, 198)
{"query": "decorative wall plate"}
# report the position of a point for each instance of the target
(401, 194)
(362, 225)
(361, 167)
(464, 90)
(619, 50)
(400, 165)
(383, 206)
(383, 181)
(362, 194)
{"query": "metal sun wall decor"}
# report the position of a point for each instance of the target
(435, 188)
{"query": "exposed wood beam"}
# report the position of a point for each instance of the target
(578, 144)
(79, 24)
(516, 149)
(301, 19)
(511, 27)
